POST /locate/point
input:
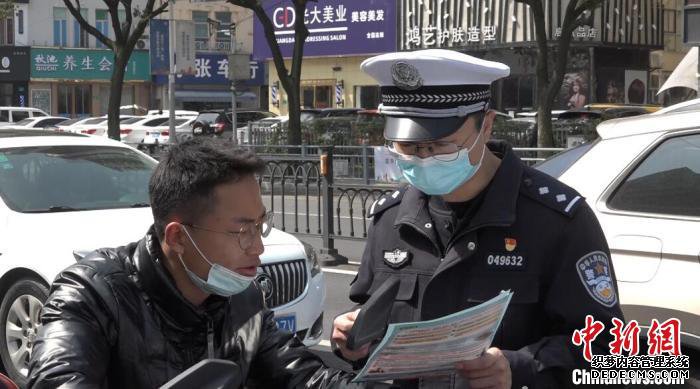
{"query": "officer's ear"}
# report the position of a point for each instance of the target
(487, 124)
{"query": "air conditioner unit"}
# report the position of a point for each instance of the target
(656, 59)
(143, 43)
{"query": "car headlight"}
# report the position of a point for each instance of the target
(312, 259)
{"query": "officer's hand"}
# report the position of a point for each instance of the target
(341, 328)
(491, 370)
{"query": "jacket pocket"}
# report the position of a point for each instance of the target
(522, 322)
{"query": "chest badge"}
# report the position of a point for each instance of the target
(511, 244)
(396, 258)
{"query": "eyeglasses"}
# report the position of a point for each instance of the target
(248, 233)
(441, 151)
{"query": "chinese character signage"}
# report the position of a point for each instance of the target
(431, 36)
(160, 47)
(85, 64)
(336, 27)
(14, 63)
(213, 68)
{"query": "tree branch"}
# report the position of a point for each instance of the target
(126, 28)
(75, 11)
(113, 7)
(269, 30)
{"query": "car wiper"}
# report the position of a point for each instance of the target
(139, 205)
(55, 208)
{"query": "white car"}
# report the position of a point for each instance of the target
(38, 122)
(78, 124)
(10, 115)
(135, 130)
(161, 134)
(93, 126)
(63, 195)
(642, 179)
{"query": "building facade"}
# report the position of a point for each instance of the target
(70, 70)
(342, 34)
(609, 59)
(209, 87)
(663, 62)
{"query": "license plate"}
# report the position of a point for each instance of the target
(287, 323)
(155, 134)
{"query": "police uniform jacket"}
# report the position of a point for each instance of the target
(532, 235)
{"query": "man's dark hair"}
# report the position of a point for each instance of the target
(184, 181)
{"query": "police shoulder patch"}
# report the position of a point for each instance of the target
(550, 192)
(387, 201)
(594, 271)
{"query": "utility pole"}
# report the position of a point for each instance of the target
(171, 76)
(234, 120)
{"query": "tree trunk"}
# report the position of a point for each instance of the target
(545, 136)
(121, 58)
(294, 130)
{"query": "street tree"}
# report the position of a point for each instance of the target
(289, 78)
(550, 73)
(126, 34)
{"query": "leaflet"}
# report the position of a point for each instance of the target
(427, 348)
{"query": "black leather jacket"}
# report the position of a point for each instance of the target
(116, 319)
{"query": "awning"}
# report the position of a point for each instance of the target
(211, 96)
(685, 74)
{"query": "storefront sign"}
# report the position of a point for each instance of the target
(160, 49)
(336, 27)
(213, 68)
(431, 36)
(85, 64)
(14, 64)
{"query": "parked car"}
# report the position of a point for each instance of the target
(642, 180)
(161, 134)
(165, 112)
(38, 122)
(95, 126)
(135, 131)
(690, 105)
(9, 115)
(56, 192)
(217, 122)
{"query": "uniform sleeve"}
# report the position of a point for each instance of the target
(360, 286)
(72, 349)
(282, 361)
(569, 297)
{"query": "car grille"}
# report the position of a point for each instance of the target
(287, 282)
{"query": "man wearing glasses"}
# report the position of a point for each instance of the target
(136, 316)
(474, 220)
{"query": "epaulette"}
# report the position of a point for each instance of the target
(387, 201)
(550, 192)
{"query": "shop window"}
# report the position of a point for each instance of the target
(60, 26)
(322, 98)
(102, 25)
(223, 39)
(201, 29)
(7, 33)
(74, 100)
(368, 97)
(20, 22)
(671, 17)
(6, 95)
(80, 35)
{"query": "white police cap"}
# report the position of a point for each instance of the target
(427, 94)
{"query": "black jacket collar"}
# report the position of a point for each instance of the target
(159, 287)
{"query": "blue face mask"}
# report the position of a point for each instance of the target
(220, 281)
(439, 177)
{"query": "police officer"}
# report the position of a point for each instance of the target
(474, 220)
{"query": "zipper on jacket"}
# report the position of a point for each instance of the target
(210, 338)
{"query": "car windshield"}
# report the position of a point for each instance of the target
(556, 165)
(207, 117)
(130, 120)
(71, 178)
